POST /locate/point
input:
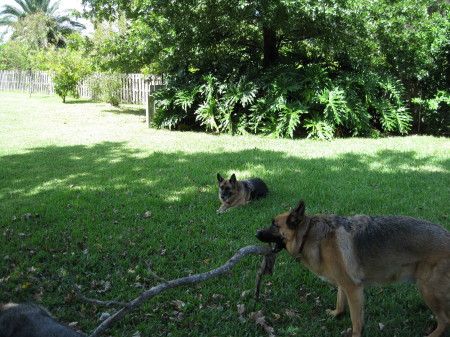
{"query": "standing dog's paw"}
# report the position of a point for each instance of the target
(334, 313)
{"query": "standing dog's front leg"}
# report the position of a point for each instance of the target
(341, 302)
(355, 297)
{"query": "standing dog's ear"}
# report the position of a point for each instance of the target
(233, 180)
(296, 215)
(219, 178)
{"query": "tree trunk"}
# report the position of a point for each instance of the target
(270, 47)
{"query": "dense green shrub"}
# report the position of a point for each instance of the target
(434, 115)
(106, 87)
(284, 101)
(69, 68)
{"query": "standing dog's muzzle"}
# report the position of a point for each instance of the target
(266, 235)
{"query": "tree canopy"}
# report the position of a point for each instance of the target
(330, 67)
(41, 17)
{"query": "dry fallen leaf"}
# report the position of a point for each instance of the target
(347, 333)
(292, 313)
(179, 305)
(216, 296)
(106, 287)
(25, 216)
(26, 285)
(260, 319)
(179, 316)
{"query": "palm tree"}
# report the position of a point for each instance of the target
(59, 25)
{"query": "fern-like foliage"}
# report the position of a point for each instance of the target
(281, 101)
(336, 110)
(207, 110)
(319, 128)
(168, 114)
(185, 98)
(393, 113)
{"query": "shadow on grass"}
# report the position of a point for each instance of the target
(384, 182)
(126, 110)
(70, 101)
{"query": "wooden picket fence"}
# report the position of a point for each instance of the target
(135, 87)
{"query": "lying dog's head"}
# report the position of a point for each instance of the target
(227, 187)
(288, 230)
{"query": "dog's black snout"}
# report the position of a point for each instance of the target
(263, 235)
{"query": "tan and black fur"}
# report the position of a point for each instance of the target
(28, 319)
(356, 251)
(234, 193)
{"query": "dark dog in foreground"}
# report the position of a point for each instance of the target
(234, 193)
(355, 251)
(31, 320)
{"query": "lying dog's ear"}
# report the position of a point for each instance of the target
(296, 215)
(300, 209)
(233, 180)
(219, 178)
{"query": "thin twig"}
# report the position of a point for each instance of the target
(153, 274)
(94, 301)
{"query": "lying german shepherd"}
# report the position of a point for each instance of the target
(31, 320)
(234, 193)
(355, 251)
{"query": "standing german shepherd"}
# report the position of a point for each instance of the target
(31, 320)
(355, 251)
(234, 193)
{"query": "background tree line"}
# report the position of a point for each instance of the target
(281, 68)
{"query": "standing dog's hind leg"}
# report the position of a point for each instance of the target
(434, 285)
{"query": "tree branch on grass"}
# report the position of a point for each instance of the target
(266, 266)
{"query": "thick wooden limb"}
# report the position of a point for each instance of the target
(147, 295)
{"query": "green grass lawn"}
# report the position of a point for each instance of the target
(77, 181)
